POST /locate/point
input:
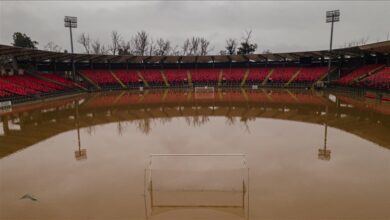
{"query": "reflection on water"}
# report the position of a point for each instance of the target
(89, 156)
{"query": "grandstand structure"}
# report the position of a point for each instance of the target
(30, 74)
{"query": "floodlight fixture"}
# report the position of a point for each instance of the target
(333, 16)
(70, 21)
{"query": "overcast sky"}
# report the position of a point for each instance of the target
(279, 26)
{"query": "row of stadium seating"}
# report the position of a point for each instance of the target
(206, 76)
(379, 80)
(28, 85)
(356, 74)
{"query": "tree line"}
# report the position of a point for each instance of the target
(143, 44)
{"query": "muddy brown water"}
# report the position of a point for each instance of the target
(230, 154)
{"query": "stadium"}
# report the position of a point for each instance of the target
(242, 135)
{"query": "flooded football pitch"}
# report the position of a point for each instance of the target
(178, 154)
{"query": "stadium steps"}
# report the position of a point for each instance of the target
(164, 78)
(46, 79)
(244, 93)
(89, 80)
(246, 74)
(118, 80)
(142, 78)
(362, 78)
(56, 82)
(325, 75)
(292, 95)
(293, 77)
(220, 77)
(267, 77)
(267, 95)
(189, 78)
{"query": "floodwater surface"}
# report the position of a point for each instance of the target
(234, 154)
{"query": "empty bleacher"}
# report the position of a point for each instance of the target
(100, 77)
(234, 75)
(310, 74)
(128, 77)
(176, 76)
(283, 74)
(379, 80)
(153, 77)
(356, 74)
(257, 75)
(204, 76)
(31, 82)
(58, 79)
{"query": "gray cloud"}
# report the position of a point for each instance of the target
(278, 26)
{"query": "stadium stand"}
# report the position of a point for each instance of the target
(357, 73)
(310, 74)
(100, 77)
(33, 83)
(283, 74)
(257, 75)
(128, 77)
(379, 80)
(15, 89)
(204, 76)
(176, 76)
(58, 79)
(153, 77)
(4, 94)
(234, 75)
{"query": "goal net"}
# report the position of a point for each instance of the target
(197, 180)
(204, 92)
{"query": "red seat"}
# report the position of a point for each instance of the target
(127, 76)
(234, 74)
(101, 77)
(205, 75)
(361, 71)
(58, 79)
(152, 76)
(15, 89)
(379, 80)
(310, 74)
(258, 74)
(176, 75)
(283, 74)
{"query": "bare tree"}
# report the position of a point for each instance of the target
(231, 46)
(99, 48)
(85, 40)
(246, 46)
(194, 46)
(51, 46)
(175, 51)
(124, 48)
(115, 40)
(204, 46)
(186, 47)
(163, 47)
(141, 43)
(151, 47)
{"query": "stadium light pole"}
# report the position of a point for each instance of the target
(71, 22)
(331, 17)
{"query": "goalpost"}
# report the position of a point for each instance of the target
(205, 92)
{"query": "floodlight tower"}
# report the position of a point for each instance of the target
(331, 17)
(71, 22)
